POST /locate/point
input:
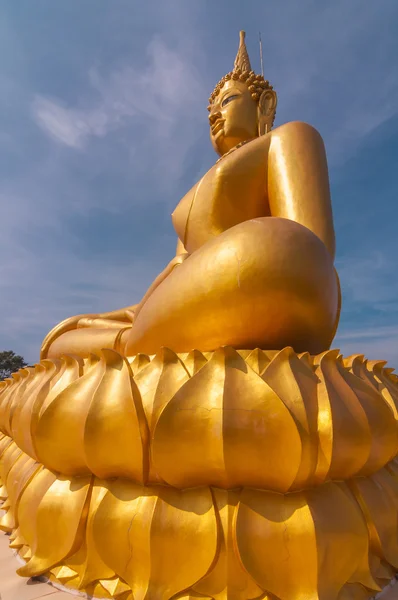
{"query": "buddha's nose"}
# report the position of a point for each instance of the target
(214, 116)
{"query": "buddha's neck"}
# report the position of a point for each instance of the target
(235, 148)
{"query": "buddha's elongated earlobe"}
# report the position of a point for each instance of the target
(266, 111)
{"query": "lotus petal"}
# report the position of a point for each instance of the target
(296, 385)
(228, 429)
(87, 562)
(228, 578)
(26, 413)
(29, 503)
(64, 505)
(159, 381)
(378, 498)
(116, 435)
(146, 535)
(344, 434)
(303, 544)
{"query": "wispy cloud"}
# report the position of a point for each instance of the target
(370, 303)
(369, 280)
(69, 126)
(339, 71)
(152, 104)
(164, 95)
(370, 333)
(375, 343)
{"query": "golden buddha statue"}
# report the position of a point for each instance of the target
(207, 443)
(255, 244)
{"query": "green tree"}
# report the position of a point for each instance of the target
(9, 363)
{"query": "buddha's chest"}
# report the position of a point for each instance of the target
(233, 191)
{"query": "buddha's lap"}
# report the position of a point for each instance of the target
(268, 282)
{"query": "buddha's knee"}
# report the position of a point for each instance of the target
(289, 275)
(266, 282)
(280, 252)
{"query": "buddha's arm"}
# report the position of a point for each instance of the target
(127, 314)
(117, 319)
(298, 182)
(181, 255)
(118, 315)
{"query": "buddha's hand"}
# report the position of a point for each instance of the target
(180, 258)
(130, 314)
(109, 320)
(67, 325)
(175, 262)
(102, 323)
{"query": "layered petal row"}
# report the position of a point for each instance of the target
(227, 475)
(116, 538)
(271, 420)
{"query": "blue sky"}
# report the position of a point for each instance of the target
(103, 128)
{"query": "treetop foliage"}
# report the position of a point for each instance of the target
(9, 363)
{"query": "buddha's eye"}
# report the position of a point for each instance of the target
(227, 100)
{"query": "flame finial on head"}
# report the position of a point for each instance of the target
(242, 71)
(261, 90)
(242, 60)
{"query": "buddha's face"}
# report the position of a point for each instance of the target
(233, 116)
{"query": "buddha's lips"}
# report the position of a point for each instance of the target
(218, 125)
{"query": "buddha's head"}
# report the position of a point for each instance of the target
(242, 105)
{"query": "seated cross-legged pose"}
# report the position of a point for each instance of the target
(254, 263)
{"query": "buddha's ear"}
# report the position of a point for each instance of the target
(266, 111)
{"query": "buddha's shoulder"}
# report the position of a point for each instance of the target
(295, 128)
(260, 146)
